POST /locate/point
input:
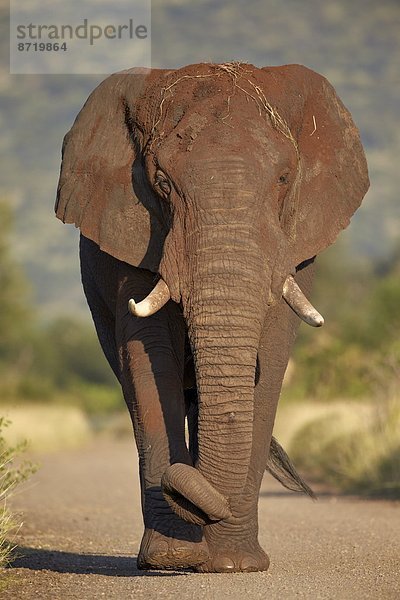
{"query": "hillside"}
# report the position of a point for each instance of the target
(357, 46)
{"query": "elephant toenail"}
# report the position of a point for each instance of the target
(223, 564)
(248, 564)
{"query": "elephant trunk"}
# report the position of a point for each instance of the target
(224, 306)
(225, 354)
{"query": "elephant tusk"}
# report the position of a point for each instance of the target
(299, 303)
(152, 303)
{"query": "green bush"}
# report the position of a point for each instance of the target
(68, 350)
(333, 370)
(357, 353)
(10, 477)
(15, 317)
(96, 399)
(57, 361)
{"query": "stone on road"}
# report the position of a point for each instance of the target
(82, 527)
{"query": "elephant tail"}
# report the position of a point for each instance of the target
(281, 467)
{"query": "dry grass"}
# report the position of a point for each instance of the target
(240, 78)
(353, 446)
(237, 73)
(47, 427)
(8, 529)
(10, 477)
(292, 417)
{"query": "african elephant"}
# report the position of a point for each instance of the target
(203, 195)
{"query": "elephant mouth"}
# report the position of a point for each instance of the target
(291, 293)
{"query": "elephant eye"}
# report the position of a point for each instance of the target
(284, 179)
(162, 184)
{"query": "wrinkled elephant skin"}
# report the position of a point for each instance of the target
(222, 183)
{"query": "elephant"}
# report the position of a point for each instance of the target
(203, 195)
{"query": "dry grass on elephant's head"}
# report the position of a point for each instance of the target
(239, 74)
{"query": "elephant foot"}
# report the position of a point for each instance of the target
(231, 553)
(234, 560)
(159, 551)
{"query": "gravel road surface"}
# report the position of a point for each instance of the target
(82, 528)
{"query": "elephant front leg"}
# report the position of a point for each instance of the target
(231, 549)
(233, 544)
(153, 389)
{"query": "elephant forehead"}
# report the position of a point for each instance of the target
(216, 99)
(192, 124)
(206, 169)
(223, 181)
(205, 129)
(199, 148)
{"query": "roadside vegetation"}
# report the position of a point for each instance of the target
(344, 380)
(47, 362)
(10, 477)
(339, 416)
(354, 450)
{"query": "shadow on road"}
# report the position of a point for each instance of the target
(37, 559)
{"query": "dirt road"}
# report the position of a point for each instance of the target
(83, 526)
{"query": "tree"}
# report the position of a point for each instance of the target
(15, 319)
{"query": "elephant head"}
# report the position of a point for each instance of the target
(223, 180)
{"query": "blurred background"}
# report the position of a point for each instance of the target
(340, 412)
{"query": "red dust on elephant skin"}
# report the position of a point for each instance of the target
(221, 182)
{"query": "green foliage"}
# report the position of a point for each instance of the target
(357, 352)
(383, 308)
(96, 400)
(332, 370)
(356, 355)
(70, 351)
(64, 364)
(60, 361)
(10, 477)
(14, 316)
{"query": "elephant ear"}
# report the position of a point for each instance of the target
(333, 174)
(102, 187)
